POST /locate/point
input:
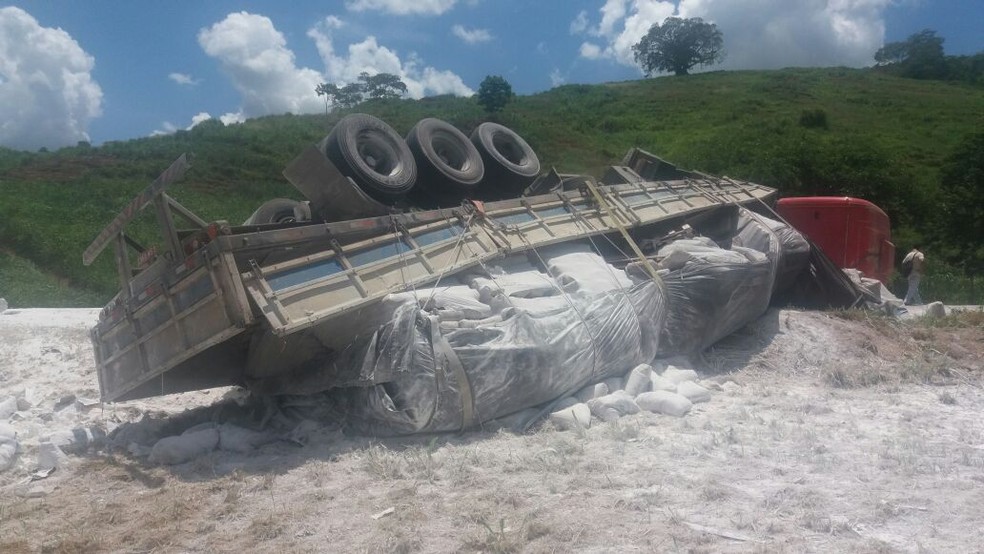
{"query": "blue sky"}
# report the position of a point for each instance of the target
(99, 71)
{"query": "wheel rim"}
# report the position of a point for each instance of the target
(377, 152)
(508, 148)
(449, 150)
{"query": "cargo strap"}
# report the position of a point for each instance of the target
(444, 356)
(646, 262)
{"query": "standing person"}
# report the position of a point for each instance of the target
(914, 263)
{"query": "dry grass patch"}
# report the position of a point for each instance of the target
(955, 319)
(883, 323)
(853, 377)
(497, 536)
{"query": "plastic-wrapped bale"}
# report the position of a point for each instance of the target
(786, 247)
(459, 377)
(711, 293)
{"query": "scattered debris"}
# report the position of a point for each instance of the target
(387, 512)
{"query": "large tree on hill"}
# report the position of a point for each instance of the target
(380, 85)
(678, 45)
(919, 57)
(494, 93)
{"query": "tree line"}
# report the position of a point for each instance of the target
(921, 56)
(493, 93)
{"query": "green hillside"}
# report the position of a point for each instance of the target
(804, 131)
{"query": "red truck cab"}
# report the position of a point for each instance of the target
(854, 233)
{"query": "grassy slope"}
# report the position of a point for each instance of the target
(26, 286)
(885, 139)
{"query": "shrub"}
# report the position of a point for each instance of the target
(813, 119)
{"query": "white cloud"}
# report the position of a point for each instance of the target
(262, 68)
(168, 128)
(232, 118)
(333, 22)
(198, 118)
(471, 36)
(781, 33)
(255, 56)
(47, 94)
(758, 34)
(402, 7)
(611, 13)
(182, 79)
(371, 57)
(591, 51)
(580, 23)
(557, 78)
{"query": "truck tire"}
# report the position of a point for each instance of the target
(510, 163)
(369, 151)
(278, 210)
(450, 167)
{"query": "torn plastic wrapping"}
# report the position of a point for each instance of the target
(783, 244)
(711, 293)
(459, 376)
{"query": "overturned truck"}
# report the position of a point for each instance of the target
(435, 282)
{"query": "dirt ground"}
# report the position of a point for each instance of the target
(825, 432)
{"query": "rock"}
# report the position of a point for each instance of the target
(29, 398)
(7, 407)
(639, 380)
(32, 491)
(50, 456)
(613, 406)
(182, 448)
(693, 392)
(935, 309)
(572, 417)
(8, 446)
(677, 375)
(592, 391)
(86, 403)
(64, 402)
(664, 402)
(661, 383)
(614, 384)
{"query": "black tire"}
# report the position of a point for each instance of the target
(278, 210)
(510, 163)
(449, 165)
(369, 151)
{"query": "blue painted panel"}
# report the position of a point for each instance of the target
(378, 253)
(431, 237)
(296, 276)
(559, 210)
(515, 219)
